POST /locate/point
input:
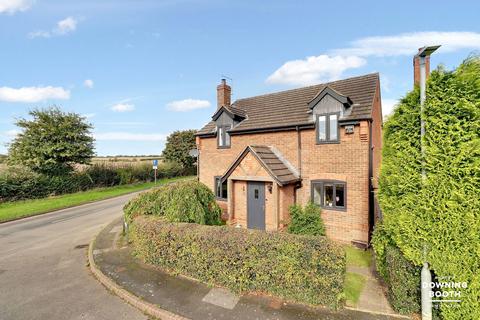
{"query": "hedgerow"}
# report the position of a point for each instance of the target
(437, 220)
(403, 282)
(19, 183)
(184, 201)
(302, 268)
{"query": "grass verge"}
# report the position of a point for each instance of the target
(20, 209)
(357, 257)
(354, 284)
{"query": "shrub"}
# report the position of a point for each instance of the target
(18, 183)
(306, 221)
(437, 220)
(403, 282)
(301, 268)
(184, 201)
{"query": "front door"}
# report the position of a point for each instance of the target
(256, 205)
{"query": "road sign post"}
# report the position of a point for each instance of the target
(155, 167)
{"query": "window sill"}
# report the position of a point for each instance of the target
(344, 209)
(328, 142)
(225, 147)
(221, 199)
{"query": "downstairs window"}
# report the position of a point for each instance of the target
(221, 191)
(329, 194)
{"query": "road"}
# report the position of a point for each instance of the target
(43, 266)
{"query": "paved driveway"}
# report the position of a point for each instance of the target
(43, 273)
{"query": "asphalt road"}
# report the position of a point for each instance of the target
(43, 271)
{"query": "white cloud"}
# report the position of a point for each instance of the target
(12, 133)
(66, 25)
(408, 43)
(89, 115)
(187, 105)
(387, 106)
(314, 69)
(12, 6)
(33, 94)
(63, 27)
(88, 83)
(123, 107)
(127, 136)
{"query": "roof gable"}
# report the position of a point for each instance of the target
(274, 165)
(346, 101)
(232, 112)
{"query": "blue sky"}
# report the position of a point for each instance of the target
(142, 69)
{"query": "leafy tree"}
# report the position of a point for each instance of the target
(52, 142)
(177, 148)
(436, 220)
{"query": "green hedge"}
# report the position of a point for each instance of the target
(17, 183)
(438, 220)
(183, 201)
(301, 268)
(403, 282)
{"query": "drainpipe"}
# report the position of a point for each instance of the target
(299, 157)
(426, 276)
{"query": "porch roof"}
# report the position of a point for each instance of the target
(271, 160)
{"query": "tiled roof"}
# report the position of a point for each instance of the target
(271, 160)
(290, 108)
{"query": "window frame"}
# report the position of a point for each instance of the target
(226, 127)
(327, 128)
(322, 183)
(215, 185)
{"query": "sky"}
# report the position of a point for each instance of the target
(139, 70)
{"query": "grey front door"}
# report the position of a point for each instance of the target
(256, 205)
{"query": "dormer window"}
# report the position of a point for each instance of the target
(327, 128)
(223, 137)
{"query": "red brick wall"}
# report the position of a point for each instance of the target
(347, 161)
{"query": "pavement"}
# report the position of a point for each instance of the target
(43, 271)
(191, 299)
(372, 297)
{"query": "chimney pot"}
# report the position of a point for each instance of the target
(224, 94)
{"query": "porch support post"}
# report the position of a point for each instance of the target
(230, 209)
(276, 198)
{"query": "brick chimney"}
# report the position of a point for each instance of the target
(416, 68)
(224, 94)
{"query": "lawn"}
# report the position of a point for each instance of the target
(20, 209)
(357, 257)
(354, 284)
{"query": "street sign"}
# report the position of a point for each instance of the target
(155, 167)
(193, 153)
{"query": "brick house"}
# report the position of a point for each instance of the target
(319, 143)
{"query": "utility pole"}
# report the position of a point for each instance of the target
(426, 276)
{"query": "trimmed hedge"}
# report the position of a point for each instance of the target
(437, 220)
(18, 183)
(302, 268)
(183, 201)
(403, 282)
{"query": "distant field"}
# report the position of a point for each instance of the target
(126, 159)
(115, 161)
